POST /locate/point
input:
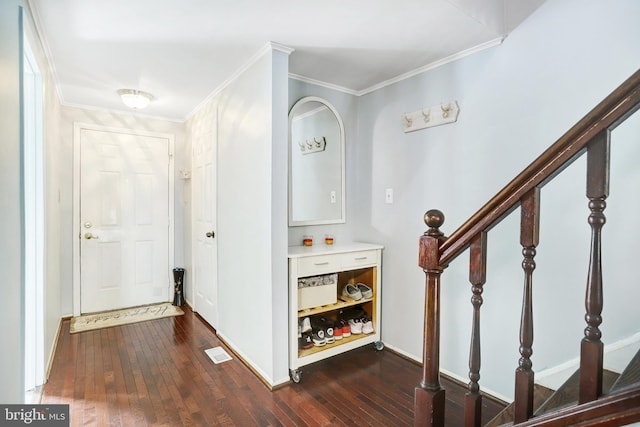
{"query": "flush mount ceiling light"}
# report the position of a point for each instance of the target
(135, 99)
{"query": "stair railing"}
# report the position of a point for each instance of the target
(590, 135)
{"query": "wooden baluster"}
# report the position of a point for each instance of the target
(477, 277)
(529, 238)
(429, 395)
(591, 347)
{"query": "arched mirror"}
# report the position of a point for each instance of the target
(316, 163)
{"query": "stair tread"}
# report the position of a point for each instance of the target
(547, 400)
(630, 375)
(540, 395)
(567, 393)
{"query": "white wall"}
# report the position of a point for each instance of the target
(52, 206)
(251, 213)
(515, 100)
(11, 254)
(279, 195)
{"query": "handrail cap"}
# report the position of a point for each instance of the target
(434, 218)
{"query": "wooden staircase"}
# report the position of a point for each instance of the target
(547, 401)
(592, 396)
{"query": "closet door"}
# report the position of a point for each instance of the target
(205, 248)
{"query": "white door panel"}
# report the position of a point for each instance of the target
(203, 181)
(124, 220)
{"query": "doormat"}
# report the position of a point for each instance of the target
(218, 355)
(107, 319)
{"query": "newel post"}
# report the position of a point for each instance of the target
(429, 395)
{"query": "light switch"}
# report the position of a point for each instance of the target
(388, 195)
(333, 196)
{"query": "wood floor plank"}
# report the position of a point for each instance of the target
(156, 373)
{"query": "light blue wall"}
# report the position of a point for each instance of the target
(515, 100)
(11, 226)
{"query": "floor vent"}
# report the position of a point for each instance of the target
(218, 355)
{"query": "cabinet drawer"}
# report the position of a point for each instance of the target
(356, 259)
(308, 266)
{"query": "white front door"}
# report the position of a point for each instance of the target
(205, 248)
(124, 220)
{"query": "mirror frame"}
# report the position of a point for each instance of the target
(342, 219)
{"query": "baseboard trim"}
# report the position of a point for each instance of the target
(52, 354)
(263, 378)
(450, 376)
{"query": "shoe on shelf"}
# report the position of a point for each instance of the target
(337, 331)
(306, 341)
(352, 313)
(327, 327)
(367, 325)
(318, 338)
(306, 325)
(356, 326)
(346, 329)
(351, 291)
(365, 290)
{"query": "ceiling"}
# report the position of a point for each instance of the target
(182, 51)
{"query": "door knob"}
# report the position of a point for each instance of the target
(210, 234)
(90, 236)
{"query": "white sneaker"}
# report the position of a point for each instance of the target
(366, 291)
(306, 325)
(351, 291)
(356, 326)
(367, 326)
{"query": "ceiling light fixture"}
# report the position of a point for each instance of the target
(135, 99)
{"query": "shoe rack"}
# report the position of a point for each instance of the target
(352, 263)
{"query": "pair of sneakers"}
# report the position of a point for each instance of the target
(318, 334)
(357, 292)
(322, 331)
(361, 325)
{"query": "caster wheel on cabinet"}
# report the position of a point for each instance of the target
(379, 345)
(295, 375)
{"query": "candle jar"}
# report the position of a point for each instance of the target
(307, 240)
(328, 239)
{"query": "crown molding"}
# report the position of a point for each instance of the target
(268, 47)
(323, 84)
(404, 76)
(431, 66)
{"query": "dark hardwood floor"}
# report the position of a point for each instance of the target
(156, 373)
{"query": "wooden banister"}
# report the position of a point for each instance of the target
(477, 277)
(592, 348)
(529, 236)
(429, 395)
(590, 135)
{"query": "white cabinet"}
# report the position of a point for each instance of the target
(328, 269)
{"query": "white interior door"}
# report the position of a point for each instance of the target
(205, 252)
(124, 220)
